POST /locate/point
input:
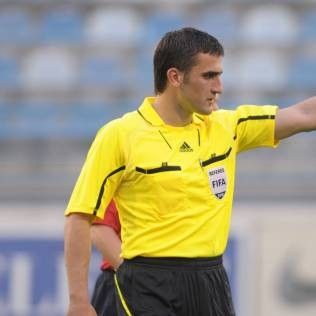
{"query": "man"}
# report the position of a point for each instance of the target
(105, 235)
(170, 167)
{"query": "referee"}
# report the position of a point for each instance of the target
(170, 167)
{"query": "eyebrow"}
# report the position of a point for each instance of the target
(212, 73)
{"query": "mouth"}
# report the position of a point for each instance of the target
(210, 100)
(212, 103)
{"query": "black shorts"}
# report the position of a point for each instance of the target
(173, 287)
(103, 298)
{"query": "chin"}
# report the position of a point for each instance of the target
(205, 111)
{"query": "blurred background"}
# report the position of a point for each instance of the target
(68, 67)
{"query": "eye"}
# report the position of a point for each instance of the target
(210, 75)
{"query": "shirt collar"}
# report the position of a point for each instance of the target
(149, 114)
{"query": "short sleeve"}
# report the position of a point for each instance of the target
(255, 126)
(100, 174)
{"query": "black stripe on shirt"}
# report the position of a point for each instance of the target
(216, 158)
(254, 118)
(102, 188)
(159, 169)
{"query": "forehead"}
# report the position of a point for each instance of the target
(207, 62)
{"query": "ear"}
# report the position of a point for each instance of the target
(175, 77)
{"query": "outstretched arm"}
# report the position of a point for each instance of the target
(108, 243)
(300, 117)
(77, 257)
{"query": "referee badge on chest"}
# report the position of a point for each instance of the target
(218, 181)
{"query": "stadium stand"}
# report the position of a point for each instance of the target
(302, 74)
(261, 68)
(160, 22)
(66, 70)
(211, 21)
(85, 118)
(114, 26)
(308, 26)
(16, 26)
(269, 24)
(49, 68)
(61, 26)
(9, 73)
(103, 72)
(35, 121)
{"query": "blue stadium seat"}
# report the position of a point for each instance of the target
(16, 26)
(302, 73)
(83, 119)
(9, 73)
(5, 113)
(46, 120)
(223, 24)
(308, 26)
(101, 71)
(160, 22)
(35, 121)
(64, 26)
(270, 24)
(4, 110)
(49, 68)
(261, 70)
(114, 26)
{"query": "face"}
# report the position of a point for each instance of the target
(202, 85)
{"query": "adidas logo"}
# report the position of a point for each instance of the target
(185, 147)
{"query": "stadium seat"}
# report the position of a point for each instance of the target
(211, 21)
(65, 26)
(302, 73)
(16, 26)
(7, 118)
(113, 26)
(49, 121)
(9, 73)
(4, 110)
(49, 68)
(101, 71)
(308, 26)
(262, 71)
(83, 119)
(270, 24)
(5, 113)
(35, 121)
(160, 22)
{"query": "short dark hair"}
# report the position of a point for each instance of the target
(178, 49)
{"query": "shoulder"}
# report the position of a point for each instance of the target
(222, 117)
(120, 125)
(245, 112)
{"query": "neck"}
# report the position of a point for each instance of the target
(171, 112)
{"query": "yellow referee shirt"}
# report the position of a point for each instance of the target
(173, 186)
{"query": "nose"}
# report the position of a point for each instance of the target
(217, 86)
